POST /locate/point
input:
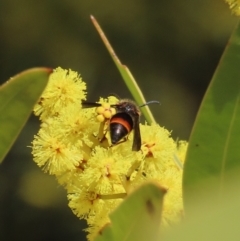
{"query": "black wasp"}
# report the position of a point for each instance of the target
(125, 120)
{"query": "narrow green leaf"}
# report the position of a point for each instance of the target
(126, 75)
(17, 98)
(138, 217)
(214, 142)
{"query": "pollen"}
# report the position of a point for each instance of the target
(100, 118)
(100, 110)
(105, 112)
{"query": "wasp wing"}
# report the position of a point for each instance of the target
(86, 104)
(137, 142)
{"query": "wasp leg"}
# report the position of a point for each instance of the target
(101, 134)
(102, 131)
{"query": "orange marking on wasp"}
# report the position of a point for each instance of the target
(121, 121)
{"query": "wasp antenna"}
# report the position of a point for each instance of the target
(114, 95)
(150, 102)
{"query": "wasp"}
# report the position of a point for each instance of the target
(126, 119)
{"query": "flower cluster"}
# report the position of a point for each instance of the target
(74, 144)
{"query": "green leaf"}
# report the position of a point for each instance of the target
(126, 75)
(138, 217)
(215, 138)
(218, 223)
(17, 98)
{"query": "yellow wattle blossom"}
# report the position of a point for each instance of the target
(54, 153)
(158, 149)
(64, 88)
(74, 144)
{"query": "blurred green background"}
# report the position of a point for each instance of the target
(172, 48)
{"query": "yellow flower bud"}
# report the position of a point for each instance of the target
(100, 118)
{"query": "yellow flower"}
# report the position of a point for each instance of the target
(98, 222)
(158, 148)
(105, 170)
(64, 88)
(52, 152)
(89, 205)
(85, 203)
(172, 205)
(72, 145)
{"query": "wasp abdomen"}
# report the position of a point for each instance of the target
(120, 126)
